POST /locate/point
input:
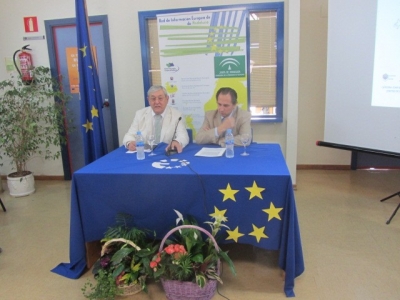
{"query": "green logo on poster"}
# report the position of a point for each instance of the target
(229, 66)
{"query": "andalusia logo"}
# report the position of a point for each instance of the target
(229, 66)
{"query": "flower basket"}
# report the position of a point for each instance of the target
(186, 290)
(133, 288)
(127, 290)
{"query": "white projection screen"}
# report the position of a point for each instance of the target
(363, 74)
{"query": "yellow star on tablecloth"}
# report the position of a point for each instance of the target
(83, 49)
(219, 214)
(258, 233)
(234, 235)
(228, 193)
(273, 212)
(88, 125)
(95, 112)
(255, 191)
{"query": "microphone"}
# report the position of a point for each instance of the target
(169, 150)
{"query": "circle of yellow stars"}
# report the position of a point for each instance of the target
(255, 192)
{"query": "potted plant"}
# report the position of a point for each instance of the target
(124, 262)
(189, 265)
(31, 122)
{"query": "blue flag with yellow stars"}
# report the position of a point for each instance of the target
(94, 137)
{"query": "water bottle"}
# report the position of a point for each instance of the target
(139, 146)
(229, 143)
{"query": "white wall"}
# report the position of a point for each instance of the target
(128, 83)
(313, 54)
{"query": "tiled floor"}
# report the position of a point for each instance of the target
(349, 251)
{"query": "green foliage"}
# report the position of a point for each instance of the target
(125, 259)
(188, 257)
(105, 288)
(30, 120)
(124, 229)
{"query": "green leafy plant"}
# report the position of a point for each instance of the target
(105, 287)
(125, 260)
(189, 257)
(31, 121)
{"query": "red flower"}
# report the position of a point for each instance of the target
(153, 264)
(180, 248)
(170, 249)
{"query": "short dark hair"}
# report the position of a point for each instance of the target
(230, 91)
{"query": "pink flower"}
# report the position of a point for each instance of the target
(153, 264)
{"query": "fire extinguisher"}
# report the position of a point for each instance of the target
(26, 64)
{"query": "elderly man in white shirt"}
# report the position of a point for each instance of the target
(159, 119)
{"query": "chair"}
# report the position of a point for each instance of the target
(1, 190)
(397, 208)
(190, 133)
(4, 208)
(2, 205)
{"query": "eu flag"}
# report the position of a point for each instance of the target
(94, 137)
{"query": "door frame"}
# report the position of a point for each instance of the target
(103, 20)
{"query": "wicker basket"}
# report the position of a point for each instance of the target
(186, 290)
(133, 288)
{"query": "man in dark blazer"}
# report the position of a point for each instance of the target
(227, 115)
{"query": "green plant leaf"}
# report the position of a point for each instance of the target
(201, 280)
(225, 257)
(118, 270)
(136, 267)
(198, 258)
(121, 254)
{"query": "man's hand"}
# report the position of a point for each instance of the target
(228, 122)
(132, 146)
(175, 145)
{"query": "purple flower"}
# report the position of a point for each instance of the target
(104, 261)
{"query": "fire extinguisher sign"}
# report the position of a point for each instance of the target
(31, 24)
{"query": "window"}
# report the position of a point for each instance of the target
(265, 55)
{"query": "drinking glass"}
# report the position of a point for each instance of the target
(150, 139)
(245, 139)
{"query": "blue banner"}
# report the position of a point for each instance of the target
(93, 132)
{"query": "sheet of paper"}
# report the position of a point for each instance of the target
(210, 152)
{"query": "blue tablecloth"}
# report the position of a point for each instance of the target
(255, 191)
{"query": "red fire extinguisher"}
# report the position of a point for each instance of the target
(26, 65)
